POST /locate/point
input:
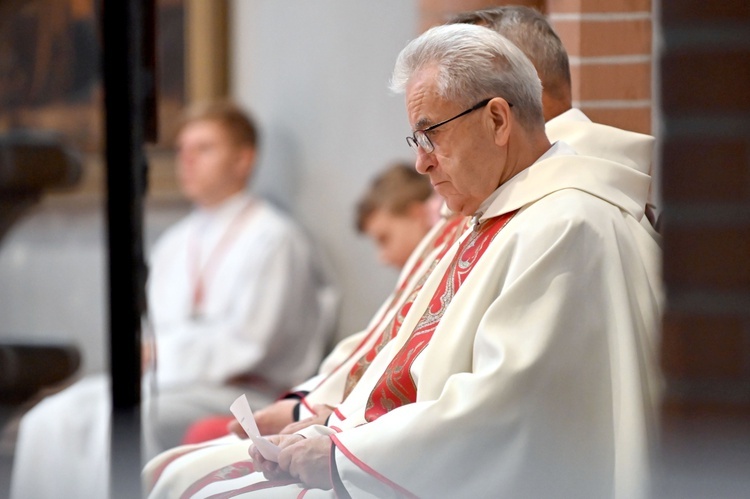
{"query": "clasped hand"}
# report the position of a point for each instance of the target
(307, 460)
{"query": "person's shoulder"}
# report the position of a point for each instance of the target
(279, 225)
(174, 233)
(278, 218)
(570, 209)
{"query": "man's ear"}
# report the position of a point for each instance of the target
(500, 114)
(246, 161)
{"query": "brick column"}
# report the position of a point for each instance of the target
(609, 44)
(705, 163)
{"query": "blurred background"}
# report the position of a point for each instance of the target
(315, 75)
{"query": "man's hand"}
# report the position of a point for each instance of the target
(235, 427)
(271, 470)
(305, 459)
(321, 416)
(272, 419)
(309, 461)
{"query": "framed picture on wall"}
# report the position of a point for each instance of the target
(50, 67)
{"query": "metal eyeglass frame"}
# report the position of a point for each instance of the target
(420, 139)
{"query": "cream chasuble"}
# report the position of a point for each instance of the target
(538, 381)
(607, 142)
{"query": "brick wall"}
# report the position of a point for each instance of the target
(705, 158)
(704, 90)
(609, 44)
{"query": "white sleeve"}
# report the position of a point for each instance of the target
(267, 322)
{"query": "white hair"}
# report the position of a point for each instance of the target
(473, 63)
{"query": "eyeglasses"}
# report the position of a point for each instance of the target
(420, 139)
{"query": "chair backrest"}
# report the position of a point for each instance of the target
(32, 162)
(26, 368)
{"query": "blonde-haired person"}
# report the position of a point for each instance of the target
(238, 301)
(396, 212)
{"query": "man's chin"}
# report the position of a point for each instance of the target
(457, 206)
(452, 204)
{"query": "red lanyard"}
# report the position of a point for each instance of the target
(200, 275)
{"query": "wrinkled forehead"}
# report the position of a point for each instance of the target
(423, 100)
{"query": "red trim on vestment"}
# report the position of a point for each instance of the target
(229, 472)
(302, 494)
(303, 401)
(369, 470)
(396, 387)
(157, 474)
(339, 414)
(444, 241)
(336, 429)
(252, 488)
(447, 236)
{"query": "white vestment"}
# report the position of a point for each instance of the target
(572, 127)
(607, 142)
(540, 379)
(266, 312)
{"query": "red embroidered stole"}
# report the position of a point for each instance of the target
(396, 386)
(443, 240)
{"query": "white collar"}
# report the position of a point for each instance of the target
(572, 114)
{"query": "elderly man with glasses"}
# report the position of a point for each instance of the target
(524, 365)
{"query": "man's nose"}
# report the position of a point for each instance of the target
(186, 157)
(425, 161)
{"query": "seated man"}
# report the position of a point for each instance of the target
(238, 303)
(396, 212)
(524, 365)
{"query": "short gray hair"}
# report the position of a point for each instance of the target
(533, 34)
(473, 63)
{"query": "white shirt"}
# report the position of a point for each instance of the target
(267, 308)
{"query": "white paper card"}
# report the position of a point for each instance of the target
(241, 410)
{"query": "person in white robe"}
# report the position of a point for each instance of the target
(526, 364)
(239, 301)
